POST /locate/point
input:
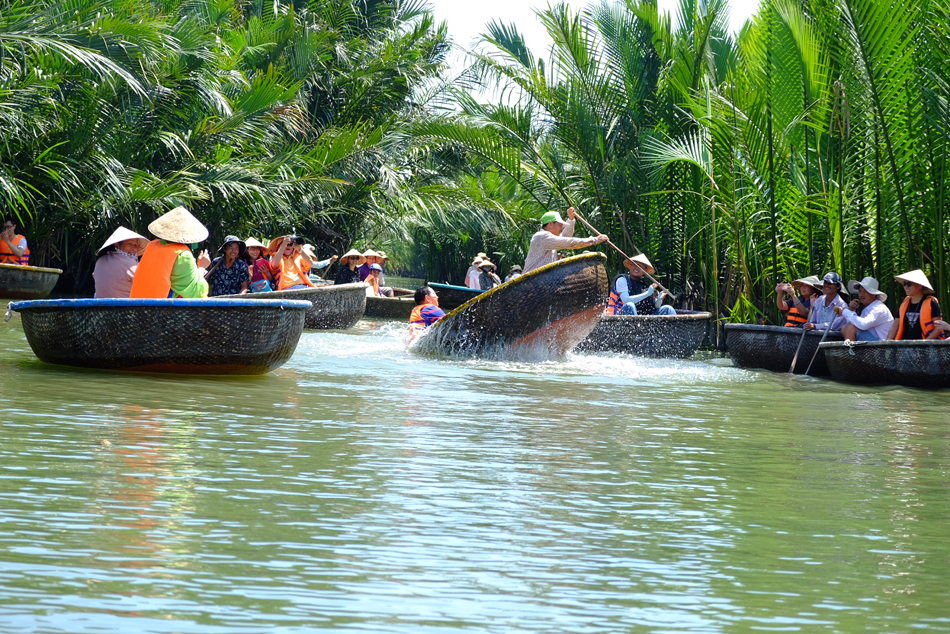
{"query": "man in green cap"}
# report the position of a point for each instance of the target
(555, 234)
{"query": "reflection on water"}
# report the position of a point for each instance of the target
(361, 487)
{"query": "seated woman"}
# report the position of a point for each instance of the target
(797, 306)
(118, 257)
(630, 295)
(168, 268)
(919, 312)
(823, 312)
(874, 322)
(229, 274)
(293, 263)
(486, 279)
(426, 312)
(349, 272)
(264, 275)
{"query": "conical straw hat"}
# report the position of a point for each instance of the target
(254, 242)
(645, 261)
(354, 252)
(121, 235)
(811, 280)
(370, 254)
(917, 276)
(179, 226)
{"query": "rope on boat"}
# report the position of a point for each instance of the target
(9, 315)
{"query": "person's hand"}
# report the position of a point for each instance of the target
(855, 304)
(570, 213)
(837, 310)
(940, 324)
(808, 326)
(601, 238)
(204, 260)
(655, 285)
(334, 258)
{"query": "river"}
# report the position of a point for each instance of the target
(362, 488)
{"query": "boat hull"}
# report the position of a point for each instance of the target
(664, 336)
(773, 348)
(390, 307)
(540, 315)
(333, 307)
(182, 336)
(910, 363)
(26, 282)
(451, 297)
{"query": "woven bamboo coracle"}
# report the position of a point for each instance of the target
(186, 336)
(26, 282)
(913, 363)
(333, 307)
(540, 315)
(390, 307)
(773, 348)
(672, 336)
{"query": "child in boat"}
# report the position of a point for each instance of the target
(919, 316)
(823, 312)
(630, 295)
(874, 322)
(797, 306)
(426, 312)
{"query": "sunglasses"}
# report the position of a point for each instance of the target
(907, 284)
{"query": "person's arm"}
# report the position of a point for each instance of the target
(550, 242)
(187, 279)
(17, 249)
(780, 297)
(935, 313)
(624, 292)
(892, 333)
(322, 264)
(306, 258)
(868, 321)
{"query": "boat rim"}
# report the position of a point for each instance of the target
(905, 343)
(34, 269)
(694, 315)
(771, 328)
(203, 302)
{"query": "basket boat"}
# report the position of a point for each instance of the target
(915, 363)
(184, 336)
(649, 335)
(542, 314)
(336, 307)
(773, 348)
(26, 282)
(398, 307)
(451, 297)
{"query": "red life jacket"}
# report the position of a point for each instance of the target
(7, 256)
(153, 277)
(926, 318)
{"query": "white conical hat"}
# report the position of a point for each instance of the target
(645, 261)
(179, 226)
(121, 235)
(362, 258)
(370, 254)
(254, 242)
(870, 285)
(916, 276)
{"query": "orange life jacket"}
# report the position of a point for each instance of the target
(417, 324)
(796, 316)
(926, 318)
(153, 277)
(374, 284)
(294, 264)
(7, 256)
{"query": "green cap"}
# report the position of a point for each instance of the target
(551, 216)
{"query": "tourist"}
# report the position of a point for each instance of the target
(486, 279)
(311, 252)
(555, 234)
(118, 257)
(797, 305)
(168, 268)
(471, 276)
(919, 313)
(631, 295)
(229, 273)
(426, 312)
(381, 260)
(13, 248)
(823, 313)
(264, 275)
(874, 322)
(292, 262)
(348, 272)
(374, 289)
(371, 258)
(514, 272)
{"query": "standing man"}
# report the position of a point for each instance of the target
(555, 234)
(13, 249)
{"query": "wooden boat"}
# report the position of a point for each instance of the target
(773, 348)
(398, 307)
(649, 335)
(916, 363)
(542, 314)
(336, 307)
(451, 297)
(185, 336)
(26, 282)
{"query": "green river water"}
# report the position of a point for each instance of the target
(362, 488)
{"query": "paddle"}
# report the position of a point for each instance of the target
(791, 370)
(818, 349)
(617, 249)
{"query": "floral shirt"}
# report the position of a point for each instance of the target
(227, 281)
